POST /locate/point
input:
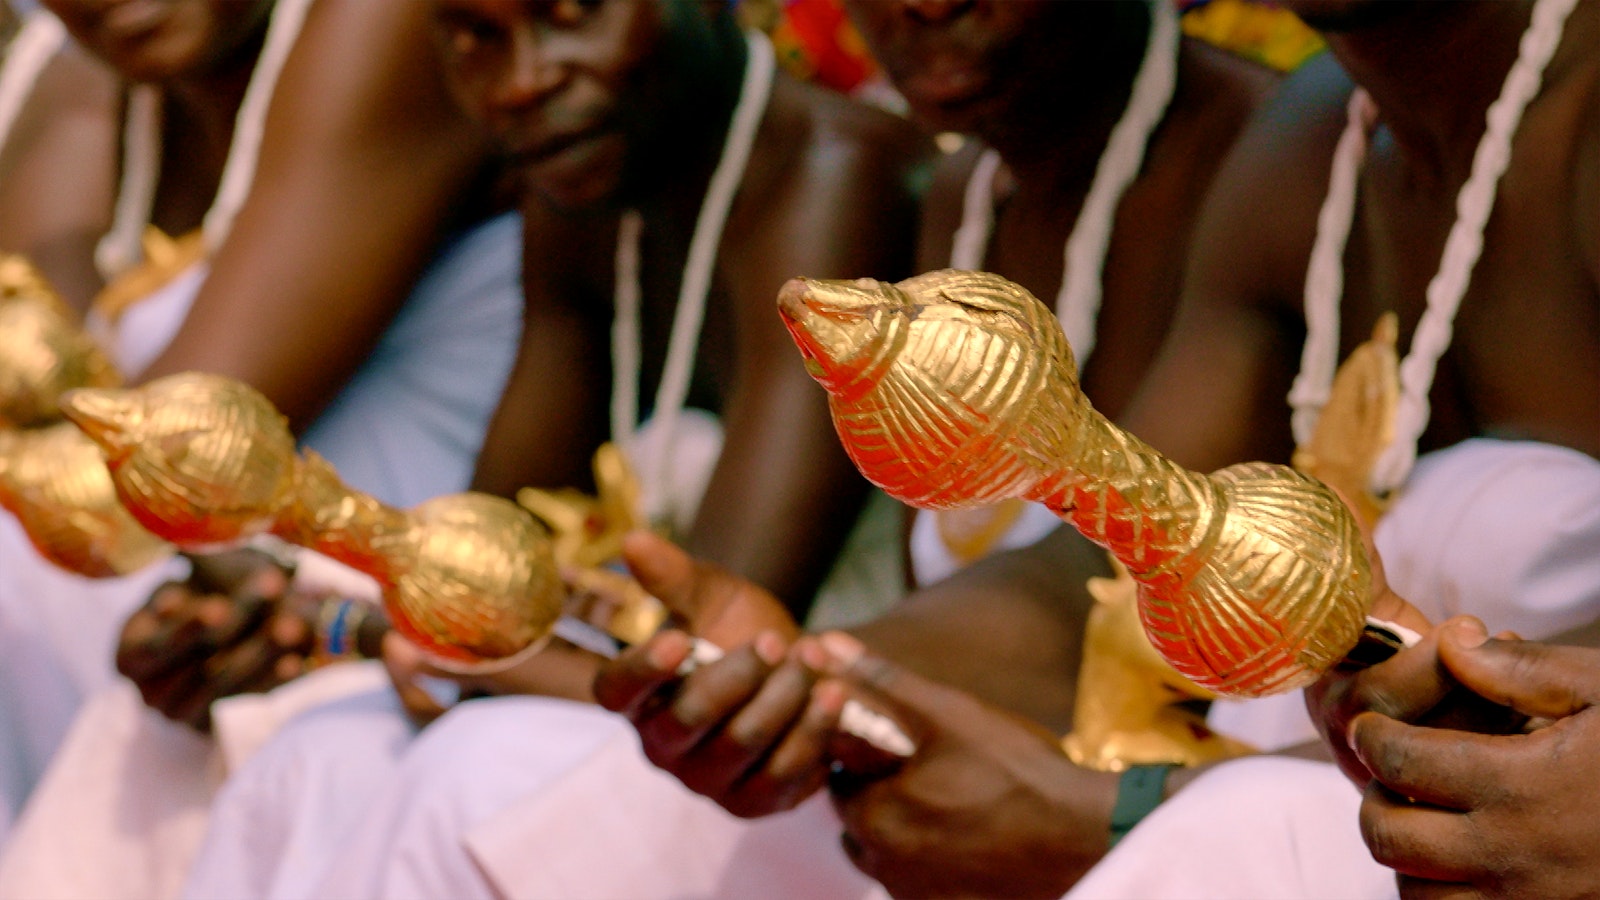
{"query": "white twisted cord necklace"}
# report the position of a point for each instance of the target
(1084, 258)
(754, 92)
(122, 246)
(1463, 246)
(37, 42)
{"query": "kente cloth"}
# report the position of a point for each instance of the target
(472, 817)
(408, 426)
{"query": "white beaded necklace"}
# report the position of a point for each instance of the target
(121, 248)
(1325, 273)
(754, 92)
(1083, 266)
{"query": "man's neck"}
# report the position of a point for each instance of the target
(205, 106)
(1054, 144)
(683, 143)
(1433, 71)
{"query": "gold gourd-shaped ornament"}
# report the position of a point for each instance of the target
(43, 351)
(54, 480)
(958, 388)
(202, 460)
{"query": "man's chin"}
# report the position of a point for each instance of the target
(574, 196)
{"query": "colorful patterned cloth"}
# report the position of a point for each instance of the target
(1255, 30)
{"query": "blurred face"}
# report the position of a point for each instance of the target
(158, 40)
(962, 64)
(560, 85)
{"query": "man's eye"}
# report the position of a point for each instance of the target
(572, 12)
(468, 36)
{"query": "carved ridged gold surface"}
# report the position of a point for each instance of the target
(198, 459)
(54, 480)
(954, 389)
(1130, 708)
(43, 352)
(203, 459)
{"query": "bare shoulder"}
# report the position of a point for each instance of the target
(74, 88)
(1260, 215)
(836, 148)
(364, 72)
(1217, 93)
(832, 190)
(57, 171)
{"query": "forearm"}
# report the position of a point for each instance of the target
(1008, 629)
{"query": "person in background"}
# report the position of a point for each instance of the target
(1507, 458)
(668, 173)
(473, 794)
(359, 186)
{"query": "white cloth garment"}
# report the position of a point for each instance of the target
(1265, 827)
(407, 427)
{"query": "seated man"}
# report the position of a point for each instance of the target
(671, 181)
(989, 806)
(496, 779)
(388, 383)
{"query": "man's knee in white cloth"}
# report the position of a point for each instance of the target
(285, 810)
(1256, 827)
(480, 758)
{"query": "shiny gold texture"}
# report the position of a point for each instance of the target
(199, 460)
(202, 459)
(586, 534)
(165, 258)
(1132, 707)
(954, 389)
(43, 351)
(54, 480)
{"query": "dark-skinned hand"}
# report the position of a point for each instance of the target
(988, 806)
(231, 628)
(727, 730)
(1463, 814)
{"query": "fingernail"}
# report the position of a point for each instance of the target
(667, 650)
(1470, 633)
(844, 649)
(770, 648)
(812, 654)
(828, 698)
(289, 631)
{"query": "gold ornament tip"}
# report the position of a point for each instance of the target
(830, 321)
(104, 414)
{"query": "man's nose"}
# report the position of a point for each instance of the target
(535, 71)
(936, 11)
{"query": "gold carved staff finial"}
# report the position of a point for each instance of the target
(43, 351)
(54, 480)
(958, 388)
(202, 459)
